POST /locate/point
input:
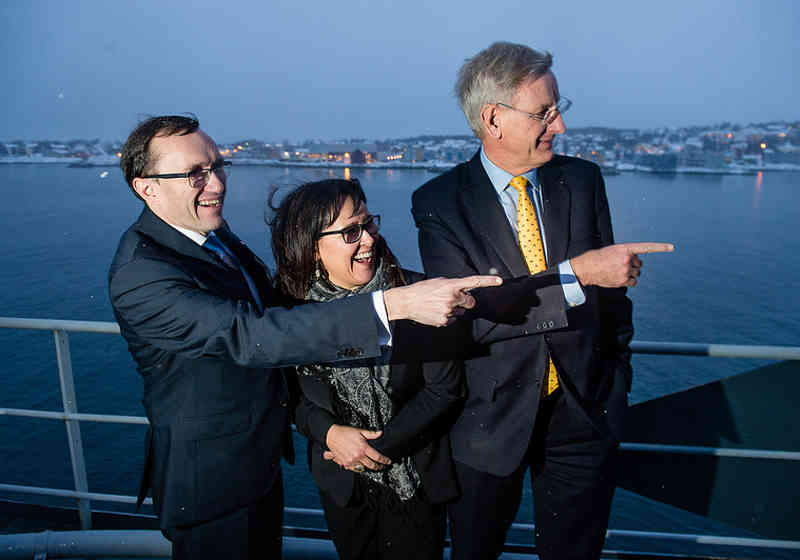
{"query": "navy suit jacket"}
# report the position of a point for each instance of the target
(463, 230)
(218, 417)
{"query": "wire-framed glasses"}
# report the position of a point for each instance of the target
(197, 178)
(547, 117)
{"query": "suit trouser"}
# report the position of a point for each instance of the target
(372, 526)
(249, 533)
(570, 464)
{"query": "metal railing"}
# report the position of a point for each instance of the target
(72, 419)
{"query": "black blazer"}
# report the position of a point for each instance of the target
(463, 230)
(426, 394)
(218, 419)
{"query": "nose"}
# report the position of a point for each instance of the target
(557, 126)
(370, 238)
(215, 183)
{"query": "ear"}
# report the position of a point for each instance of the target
(144, 188)
(490, 117)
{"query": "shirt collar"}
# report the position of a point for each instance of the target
(500, 177)
(195, 236)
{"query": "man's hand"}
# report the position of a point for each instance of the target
(349, 449)
(437, 301)
(614, 266)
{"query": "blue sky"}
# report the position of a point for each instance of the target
(381, 69)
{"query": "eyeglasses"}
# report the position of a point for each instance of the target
(352, 234)
(198, 178)
(548, 116)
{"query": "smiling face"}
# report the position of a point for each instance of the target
(349, 265)
(515, 141)
(173, 200)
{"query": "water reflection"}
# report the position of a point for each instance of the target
(346, 173)
(757, 192)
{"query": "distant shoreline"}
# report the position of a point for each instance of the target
(433, 166)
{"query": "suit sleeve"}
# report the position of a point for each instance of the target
(411, 428)
(159, 305)
(313, 421)
(500, 313)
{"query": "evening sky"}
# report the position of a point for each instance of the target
(380, 69)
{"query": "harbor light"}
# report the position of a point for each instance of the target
(763, 145)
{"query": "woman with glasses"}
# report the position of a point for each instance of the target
(378, 449)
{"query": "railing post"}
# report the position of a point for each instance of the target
(73, 426)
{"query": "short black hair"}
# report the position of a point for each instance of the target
(136, 151)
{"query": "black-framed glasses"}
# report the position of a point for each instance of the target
(198, 178)
(352, 234)
(548, 116)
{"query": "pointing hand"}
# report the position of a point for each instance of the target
(615, 266)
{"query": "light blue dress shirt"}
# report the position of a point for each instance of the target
(507, 195)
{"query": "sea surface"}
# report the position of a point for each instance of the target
(733, 279)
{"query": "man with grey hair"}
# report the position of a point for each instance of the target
(548, 372)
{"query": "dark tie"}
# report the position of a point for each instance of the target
(215, 245)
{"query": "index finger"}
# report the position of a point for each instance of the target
(468, 283)
(375, 455)
(644, 248)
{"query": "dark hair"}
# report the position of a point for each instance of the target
(297, 222)
(136, 152)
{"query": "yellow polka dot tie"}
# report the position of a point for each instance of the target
(530, 242)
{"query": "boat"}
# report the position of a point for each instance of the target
(654, 467)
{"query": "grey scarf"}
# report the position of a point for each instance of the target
(360, 390)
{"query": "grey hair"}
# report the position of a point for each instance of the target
(494, 74)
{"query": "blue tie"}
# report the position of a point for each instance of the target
(215, 245)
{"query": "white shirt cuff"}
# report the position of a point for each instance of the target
(385, 332)
(573, 293)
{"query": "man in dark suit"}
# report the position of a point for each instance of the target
(198, 312)
(548, 380)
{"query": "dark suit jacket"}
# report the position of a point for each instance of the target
(463, 230)
(218, 419)
(425, 395)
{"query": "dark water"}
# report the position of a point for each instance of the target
(732, 280)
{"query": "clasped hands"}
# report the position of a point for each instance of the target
(348, 447)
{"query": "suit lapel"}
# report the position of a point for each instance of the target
(255, 268)
(229, 282)
(556, 208)
(485, 213)
(166, 235)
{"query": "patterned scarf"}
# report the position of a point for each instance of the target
(360, 389)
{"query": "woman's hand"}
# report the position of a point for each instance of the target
(349, 449)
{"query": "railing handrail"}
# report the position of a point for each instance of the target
(104, 327)
(637, 346)
(72, 418)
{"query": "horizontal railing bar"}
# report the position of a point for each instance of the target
(688, 537)
(708, 539)
(715, 451)
(82, 416)
(637, 346)
(58, 492)
(695, 538)
(645, 447)
(104, 327)
(716, 350)
(304, 511)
